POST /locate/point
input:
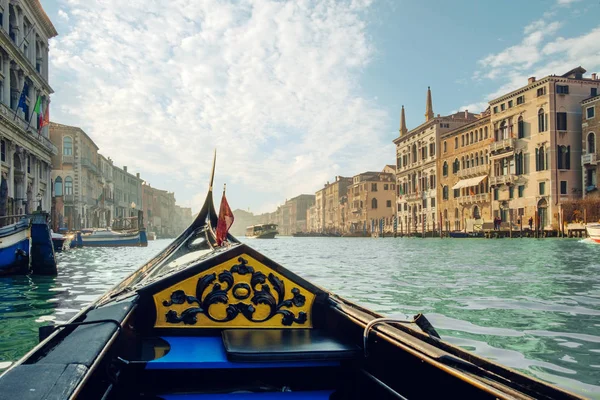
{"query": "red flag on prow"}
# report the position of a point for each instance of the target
(225, 221)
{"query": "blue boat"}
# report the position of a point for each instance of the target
(110, 238)
(14, 248)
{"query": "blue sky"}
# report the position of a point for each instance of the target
(291, 93)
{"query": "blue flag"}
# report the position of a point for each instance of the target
(22, 100)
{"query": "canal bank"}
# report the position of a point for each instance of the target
(530, 304)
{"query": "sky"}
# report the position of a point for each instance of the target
(291, 93)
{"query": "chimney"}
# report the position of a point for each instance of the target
(594, 76)
(125, 168)
(138, 175)
(531, 80)
(466, 114)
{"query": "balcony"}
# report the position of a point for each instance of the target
(68, 198)
(27, 129)
(476, 198)
(67, 159)
(87, 163)
(473, 171)
(502, 179)
(502, 146)
(589, 159)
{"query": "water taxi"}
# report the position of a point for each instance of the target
(262, 231)
(593, 232)
(207, 322)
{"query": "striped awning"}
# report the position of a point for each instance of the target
(469, 182)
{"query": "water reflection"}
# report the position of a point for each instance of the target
(533, 305)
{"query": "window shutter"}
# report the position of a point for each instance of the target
(568, 158)
(537, 159)
(559, 156)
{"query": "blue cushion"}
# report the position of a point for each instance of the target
(208, 352)
(314, 395)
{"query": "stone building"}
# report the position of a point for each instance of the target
(78, 180)
(416, 170)
(299, 207)
(128, 200)
(371, 199)
(463, 170)
(591, 150)
(330, 202)
(106, 203)
(26, 150)
(536, 152)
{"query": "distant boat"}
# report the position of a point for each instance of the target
(151, 235)
(262, 231)
(58, 241)
(109, 238)
(593, 231)
(14, 248)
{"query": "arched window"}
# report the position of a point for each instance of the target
(462, 162)
(58, 186)
(540, 159)
(485, 130)
(445, 146)
(456, 166)
(374, 203)
(481, 157)
(541, 120)
(476, 214)
(520, 128)
(445, 193)
(67, 146)
(68, 186)
(414, 153)
(446, 214)
(591, 143)
(503, 131)
(462, 140)
(445, 169)
(471, 137)
(486, 158)
(468, 163)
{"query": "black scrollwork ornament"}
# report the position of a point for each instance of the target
(212, 289)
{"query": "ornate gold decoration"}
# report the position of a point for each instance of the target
(239, 293)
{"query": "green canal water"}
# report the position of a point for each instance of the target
(530, 304)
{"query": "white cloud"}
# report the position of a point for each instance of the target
(473, 107)
(566, 3)
(63, 15)
(271, 84)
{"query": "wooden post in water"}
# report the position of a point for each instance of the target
(535, 221)
(521, 224)
(440, 224)
(584, 215)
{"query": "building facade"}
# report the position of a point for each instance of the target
(334, 201)
(128, 200)
(371, 202)
(591, 150)
(464, 168)
(78, 179)
(416, 169)
(26, 149)
(536, 150)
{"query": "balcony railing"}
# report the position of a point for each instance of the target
(68, 198)
(502, 179)
(502, 145)
(473, 171)
(26, 128)
(476, 198)
(588, 159)
(67, 159)
(87, 163)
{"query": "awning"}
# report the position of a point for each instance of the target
(469, 182)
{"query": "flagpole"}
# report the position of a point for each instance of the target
(19, 102)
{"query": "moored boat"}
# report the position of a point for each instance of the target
(109, 238)
(151, 235)
(593, 232)
(262, 231)
(200, 321)
(15, 247)
(58, 241)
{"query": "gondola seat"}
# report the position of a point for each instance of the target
(260, 348)
(268, 345)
